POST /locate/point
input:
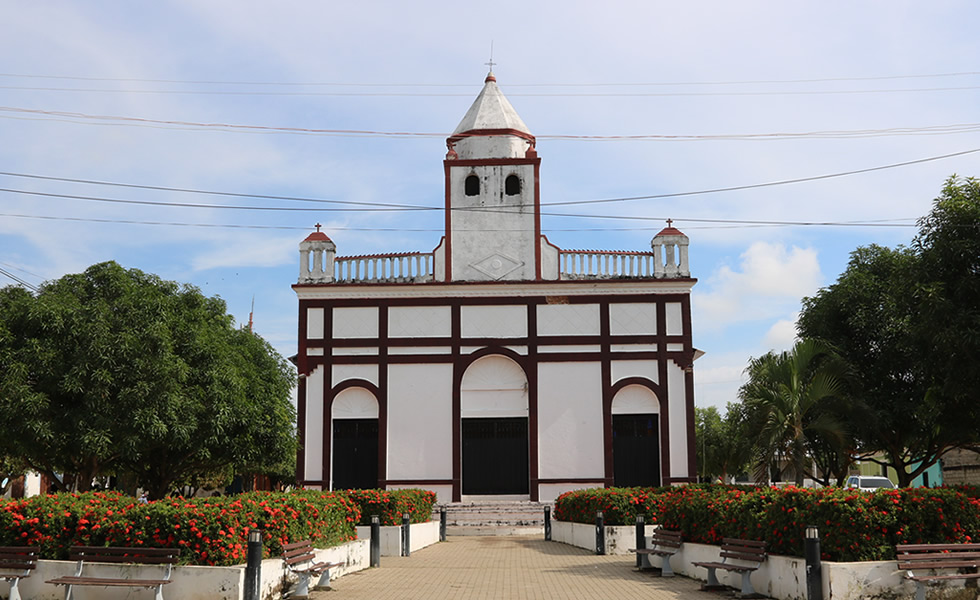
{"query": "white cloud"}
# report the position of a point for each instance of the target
(249, 252)
(782, 335)
(769, 279)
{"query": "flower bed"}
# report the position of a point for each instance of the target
(390, 505)
(854, 526)
(619, 506)
(209, 531)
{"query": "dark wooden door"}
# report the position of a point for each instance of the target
(355, 454)
(636, 450)
(495, 458)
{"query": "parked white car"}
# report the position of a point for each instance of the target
(869, 484)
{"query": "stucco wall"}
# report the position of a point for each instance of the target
(678, 421)
(420, 421)
(570, 421)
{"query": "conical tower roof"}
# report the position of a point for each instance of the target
(491, 110)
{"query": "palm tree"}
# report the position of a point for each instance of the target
(785, 394)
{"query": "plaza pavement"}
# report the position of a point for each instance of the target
(496, 568)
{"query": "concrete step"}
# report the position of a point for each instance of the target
(494, 514)
(493, 530)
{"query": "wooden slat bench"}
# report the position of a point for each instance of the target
(16, 563)
(739, 556)
(941, 562)
(164, 557)
(663, 543)
(300, 559)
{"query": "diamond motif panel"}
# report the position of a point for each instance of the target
(497, 266)
(568, 319)
(633, 319)
(419, 321)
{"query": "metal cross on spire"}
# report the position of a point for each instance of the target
(670, 222)
(491, 63)
(318, 226)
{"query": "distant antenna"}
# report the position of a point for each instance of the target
(250, 312)
(491, 63)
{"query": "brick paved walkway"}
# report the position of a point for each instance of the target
(494, 568)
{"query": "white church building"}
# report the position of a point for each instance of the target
(498, 365)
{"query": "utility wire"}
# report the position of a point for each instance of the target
(397, 208)
(770, 183)
(518, 94)
(955, 128)
(417, 84)
(732, 224)
(20, 281)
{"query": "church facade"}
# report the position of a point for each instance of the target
(497, 365)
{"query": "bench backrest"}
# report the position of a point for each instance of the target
(745, 550)
(110, 554)
(298, 552)
(937, 556)
(18, 560)
(666, 538)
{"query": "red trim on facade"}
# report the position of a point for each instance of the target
(606, 369)
(688, 366)
(418, 482)
(529, 362)
(376, 391)
(532, 399)
(448, 258)
(490, 162)
(301, 426)
(455, 329)
(572, 481)
(537, 220)
(463, 362)
(529, 283)
(664, 417)
(456, 137)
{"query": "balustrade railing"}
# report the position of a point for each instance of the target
(596, 264)
(603, 264)
(407, 267)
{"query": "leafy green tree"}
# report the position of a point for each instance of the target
(723, 446)
(116, 370)
(948, 316)
(907, 321)
(786, 394)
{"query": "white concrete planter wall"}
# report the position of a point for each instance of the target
(780, 577)
(189, 582)
(619, 538)
(420, 535)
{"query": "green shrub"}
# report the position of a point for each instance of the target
(390, 505)
(619, 506)
(853, 525)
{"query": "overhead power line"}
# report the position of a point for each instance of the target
(720, 224)
(18, 280)
(546, 84)
(950, 129)
(387, 207)
(517, 94)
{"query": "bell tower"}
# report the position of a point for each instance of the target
(493, 220)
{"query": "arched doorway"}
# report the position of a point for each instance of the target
(494, 428)
(636, 437)
(354, 418)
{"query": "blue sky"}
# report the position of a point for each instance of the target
(136, 93)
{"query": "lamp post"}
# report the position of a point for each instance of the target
(811, 552)
(253, 565)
